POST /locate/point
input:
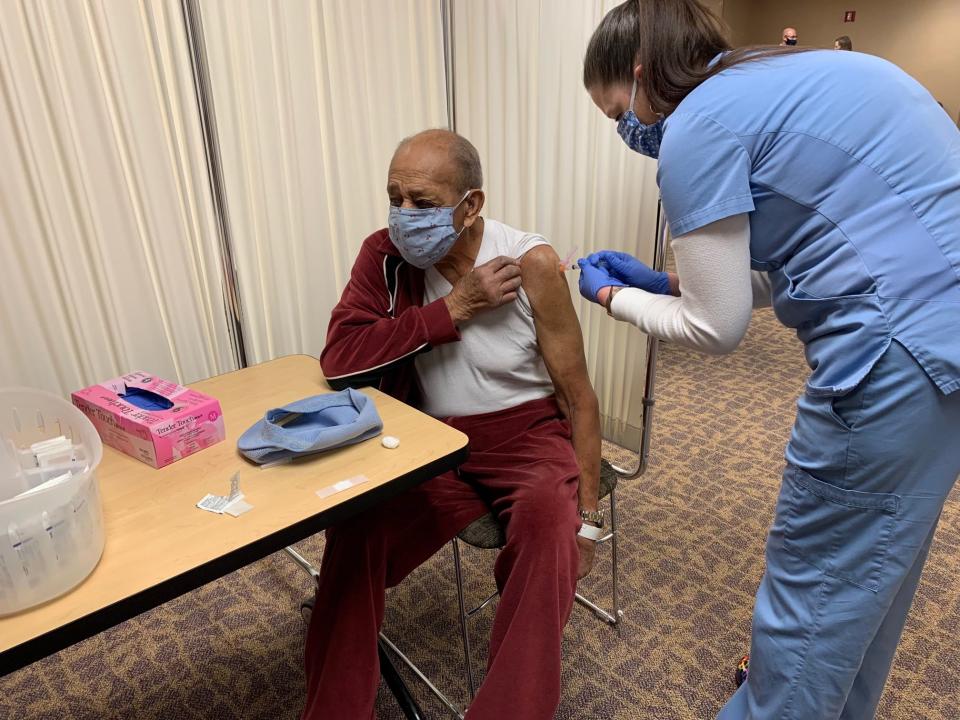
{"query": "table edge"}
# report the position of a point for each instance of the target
(41, 646)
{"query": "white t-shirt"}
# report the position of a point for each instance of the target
(497, 362)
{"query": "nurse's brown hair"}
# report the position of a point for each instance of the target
(674, 41)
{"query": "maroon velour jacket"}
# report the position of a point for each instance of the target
(381, 324)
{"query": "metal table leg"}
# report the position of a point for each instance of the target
(388, 670)
(399, 689)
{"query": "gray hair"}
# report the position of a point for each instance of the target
(465, 158)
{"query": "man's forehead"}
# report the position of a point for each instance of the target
(429, 162)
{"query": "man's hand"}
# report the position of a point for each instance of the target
(588, 549)
(487, 286)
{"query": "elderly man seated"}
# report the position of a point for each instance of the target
(472, 321)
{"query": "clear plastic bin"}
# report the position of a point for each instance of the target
(51, 538)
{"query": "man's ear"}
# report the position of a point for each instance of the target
(472, 207)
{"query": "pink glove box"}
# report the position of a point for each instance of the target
(180, 421)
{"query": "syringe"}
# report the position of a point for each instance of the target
(567, 263)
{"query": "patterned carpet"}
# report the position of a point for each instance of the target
(692, 532)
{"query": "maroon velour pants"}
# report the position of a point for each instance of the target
(521, 465)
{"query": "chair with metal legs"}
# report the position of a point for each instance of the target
(487, 533)
(484, 533)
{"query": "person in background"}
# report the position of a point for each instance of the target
(843, 43)
(789, 36)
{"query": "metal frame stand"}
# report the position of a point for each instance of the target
(612, 619)
(402, 694)
(303, 562)
(653, 347)
(411, 710)
(199, 65)
(464, 616)
(396, 684)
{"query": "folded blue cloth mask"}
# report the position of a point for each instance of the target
(311, 425)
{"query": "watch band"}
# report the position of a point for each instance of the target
(590, 532)
(594, 516)
(609, 303)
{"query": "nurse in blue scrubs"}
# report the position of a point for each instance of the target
(828, 185)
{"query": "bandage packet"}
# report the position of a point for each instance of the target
(326, 492)
(238, 507)
(234, 504)
(214, 503)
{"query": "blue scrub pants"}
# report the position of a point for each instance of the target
(866, 477)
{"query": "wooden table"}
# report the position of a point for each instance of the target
(160, 546)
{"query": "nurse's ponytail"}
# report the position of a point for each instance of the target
(674, 41)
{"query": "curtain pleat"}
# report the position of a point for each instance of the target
(311, 100)
(108, 253)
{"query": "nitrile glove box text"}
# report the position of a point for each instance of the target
(193, 421)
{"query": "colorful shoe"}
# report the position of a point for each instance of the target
(743, 669)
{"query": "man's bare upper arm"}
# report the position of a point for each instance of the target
(557, 325)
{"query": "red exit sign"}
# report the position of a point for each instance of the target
(850, 16)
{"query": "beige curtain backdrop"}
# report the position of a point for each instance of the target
(108, 257)
(554, 164)
(311, 99)
(109, 253)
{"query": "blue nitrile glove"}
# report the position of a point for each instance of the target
(631, 271)
(593, 279)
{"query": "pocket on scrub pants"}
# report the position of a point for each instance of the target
(845, 534)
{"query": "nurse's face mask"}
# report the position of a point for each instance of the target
(424, 235)
(644, 139)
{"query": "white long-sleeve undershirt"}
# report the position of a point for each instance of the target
(719, 291)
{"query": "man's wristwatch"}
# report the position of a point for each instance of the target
(593, 516)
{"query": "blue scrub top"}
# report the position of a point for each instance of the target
(850, 171)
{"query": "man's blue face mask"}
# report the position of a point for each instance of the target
(644, 139)
(424, 235)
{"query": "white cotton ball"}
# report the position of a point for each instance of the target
(389, 441)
